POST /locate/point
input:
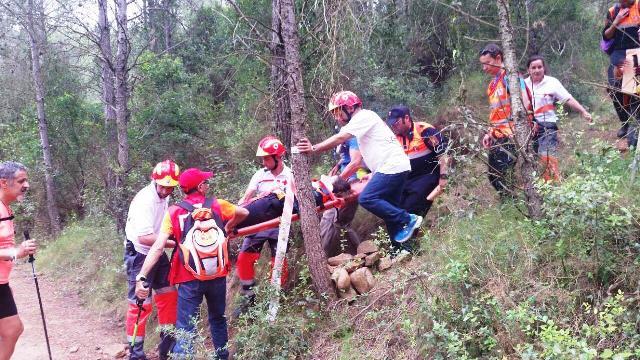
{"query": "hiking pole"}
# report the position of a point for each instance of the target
(139, 303)
(32, 259)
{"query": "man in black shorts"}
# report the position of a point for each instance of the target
(13, 185)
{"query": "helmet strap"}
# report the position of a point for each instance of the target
(275, 162)
(349, 114)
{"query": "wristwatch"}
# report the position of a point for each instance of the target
(444, 176)
(141, 277)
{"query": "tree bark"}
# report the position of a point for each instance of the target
(36, 38)
(108, 94)
(528, 164)
(122, 110)
(301, 169)
(281, 115)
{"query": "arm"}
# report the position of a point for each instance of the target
(238, 216)
(304, 145)
(247, 195)
(27, 247)
(575, 105)
(353, 165)
(157, 249)
(610, 31)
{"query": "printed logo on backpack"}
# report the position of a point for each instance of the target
(203, 247)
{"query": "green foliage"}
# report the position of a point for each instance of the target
(289, 335)
(587, 216)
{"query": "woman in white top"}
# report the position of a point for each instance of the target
(546, 91)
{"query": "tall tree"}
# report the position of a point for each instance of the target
(32, 19)
(105, 59)
(279, 92)
(301, 168)
(121, 72)
(528, 164)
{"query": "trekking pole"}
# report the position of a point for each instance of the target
(32, 259)
(139, 303)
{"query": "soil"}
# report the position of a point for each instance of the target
(74, 331)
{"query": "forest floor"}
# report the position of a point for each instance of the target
(75, 332)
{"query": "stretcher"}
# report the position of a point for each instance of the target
(356, 189)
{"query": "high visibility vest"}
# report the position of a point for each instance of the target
(422, 159)
(500, 104)
(626, 35)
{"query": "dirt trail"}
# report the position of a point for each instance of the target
(74, 332)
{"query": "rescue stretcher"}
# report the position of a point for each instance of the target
(356, 189)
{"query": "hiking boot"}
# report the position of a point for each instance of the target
(407, 231)
(246, 302)
(622, 132)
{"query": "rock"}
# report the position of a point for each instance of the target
(74, 349)
(339, 259)
(354, 264)
(362, 280)
(349, 294)
(367, 247)
(341, 277)
(115, 351)
(360, 256)
(385, 263)
(372, 259)
(331, 268)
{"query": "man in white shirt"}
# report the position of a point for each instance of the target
(268, 181)
(146, 212)
(384, 157)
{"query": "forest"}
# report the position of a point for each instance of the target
(94, 94)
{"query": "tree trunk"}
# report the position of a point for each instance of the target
(308, 218)
(280, 98)
(528, 165)
(122, 110)
(105, 59)
(168, 24)
(36, 38)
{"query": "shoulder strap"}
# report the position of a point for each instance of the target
(211, 204)
(186, 205)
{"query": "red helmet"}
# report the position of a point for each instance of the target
(166, 173)
(270, 145)
(343, 98)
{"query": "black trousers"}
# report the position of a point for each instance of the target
(502, 159)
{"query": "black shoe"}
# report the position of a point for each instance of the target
(246, 302)
(622, 132)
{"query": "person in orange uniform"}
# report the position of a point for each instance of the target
(14, 183)
(425, 146)
(143, 226)
(498, 140)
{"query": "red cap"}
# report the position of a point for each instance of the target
(193, 177)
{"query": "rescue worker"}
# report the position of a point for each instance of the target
(271, 180)
(545, 92)
(14, 183)
(194, 183)
(622, 24)
(498, 140)
(382, 154)
(335, 222)
(146, 212)
(425, 146)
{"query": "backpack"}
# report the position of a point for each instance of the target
(204, 253)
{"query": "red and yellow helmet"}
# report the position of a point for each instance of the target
(166, 173)
(343, 98)
(270, 145)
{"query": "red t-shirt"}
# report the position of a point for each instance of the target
(173, 224)
(6, 242)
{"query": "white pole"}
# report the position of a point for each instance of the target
(281, 249)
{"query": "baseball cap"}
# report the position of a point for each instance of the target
(193, 177)
(397, 112)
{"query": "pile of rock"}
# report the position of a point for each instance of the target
(352, 274)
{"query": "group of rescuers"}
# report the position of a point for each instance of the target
(403, 162)
(406, 164)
